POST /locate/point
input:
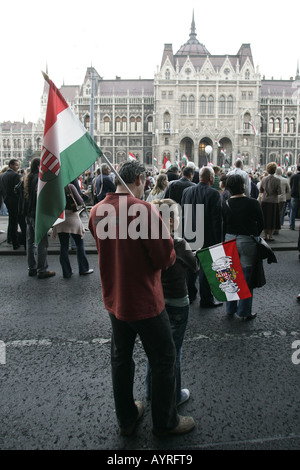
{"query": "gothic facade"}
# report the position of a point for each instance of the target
(195, 102)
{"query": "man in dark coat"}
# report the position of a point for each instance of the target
(9, 180)
(104, 183)
(204, 194)
(176, 187)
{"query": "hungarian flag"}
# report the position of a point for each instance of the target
(155, 161)
(68, 150)
(223, 270)
(167, 163)
(131, 156)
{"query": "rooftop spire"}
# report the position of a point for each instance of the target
(297, 74)
(193, 28)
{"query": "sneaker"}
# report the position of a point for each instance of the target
(45, 274)
(129, 431)
(90, 271)
(185, 395)
(186, 424)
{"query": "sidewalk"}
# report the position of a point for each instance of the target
(286, 240)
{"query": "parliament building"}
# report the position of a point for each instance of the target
(195, 102)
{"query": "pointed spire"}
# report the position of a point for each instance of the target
(297, 74)
(193, 28)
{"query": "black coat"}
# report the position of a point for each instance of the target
(176, 188)
(203, 194)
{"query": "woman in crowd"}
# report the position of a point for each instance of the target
(242, 217)
(270, 188)
(160, 188)
(71, 225)
(175, 292)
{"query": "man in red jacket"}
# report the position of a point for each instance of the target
(134, 246)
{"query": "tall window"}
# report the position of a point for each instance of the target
(167, 122)
(167, 74)
(106, 124)
(247, 75)
(150, 124)
(118, 124)
(222, 104)
(211, 106)
(230, 105)
(124, 124)
(191, 105)
(138, 124)
(132, 124)
(292, 126)
(286, 126)
(271, 126)
(183, 109)
(277, 125)
(202, 105)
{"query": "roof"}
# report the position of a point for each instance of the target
(192, 47)
(279, 87)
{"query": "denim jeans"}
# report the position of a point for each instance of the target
(82, 260)
(294, 207)
(178, 320)
(156, 336)
(36, 254)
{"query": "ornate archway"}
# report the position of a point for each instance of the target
(224, 157)
(203, 158)
(187, 148)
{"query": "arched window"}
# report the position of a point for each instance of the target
(138, 124)
(277, 125)
(292, 126)
(118, 124)
(150, 124)
(211, 105)
(191, 105)
(183, 105)
(167, 74)
(286, 126)
(106, 124)
(230, 105)
(132, 124)
(167, 122)
(124, 124)
(271, 126)
(202, 105)
(222, 104)
(247, 75)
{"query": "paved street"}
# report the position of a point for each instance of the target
(56, 388)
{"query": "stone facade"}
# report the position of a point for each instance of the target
(196, 102)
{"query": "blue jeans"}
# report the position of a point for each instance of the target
(178, 320)
(156, 336)
(294, 207)
(36, 254)
(82, 260)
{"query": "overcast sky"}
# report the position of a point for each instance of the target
(126, 38)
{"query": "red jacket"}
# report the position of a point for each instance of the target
(130, 266)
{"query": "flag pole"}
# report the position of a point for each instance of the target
(107, 161)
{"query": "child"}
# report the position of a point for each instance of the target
(175, 291)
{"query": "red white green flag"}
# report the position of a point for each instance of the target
(131, 156)
(223, 270)
(68, 150)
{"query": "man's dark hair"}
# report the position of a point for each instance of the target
(130, 171)
(188, 171)
(12, 162)
(235, 184)
(238, 163)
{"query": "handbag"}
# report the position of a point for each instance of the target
(264, 250)
(72, 201)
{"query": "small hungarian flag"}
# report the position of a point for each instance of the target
(68, 150)
(253, 127)
(185, 159)
(131, 156)
(167, 163)
(223, 270)
(155, 161)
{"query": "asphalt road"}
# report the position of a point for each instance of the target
(56, 391)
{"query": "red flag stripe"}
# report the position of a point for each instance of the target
(56, 104)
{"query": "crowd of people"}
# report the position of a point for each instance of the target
(148, 283)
